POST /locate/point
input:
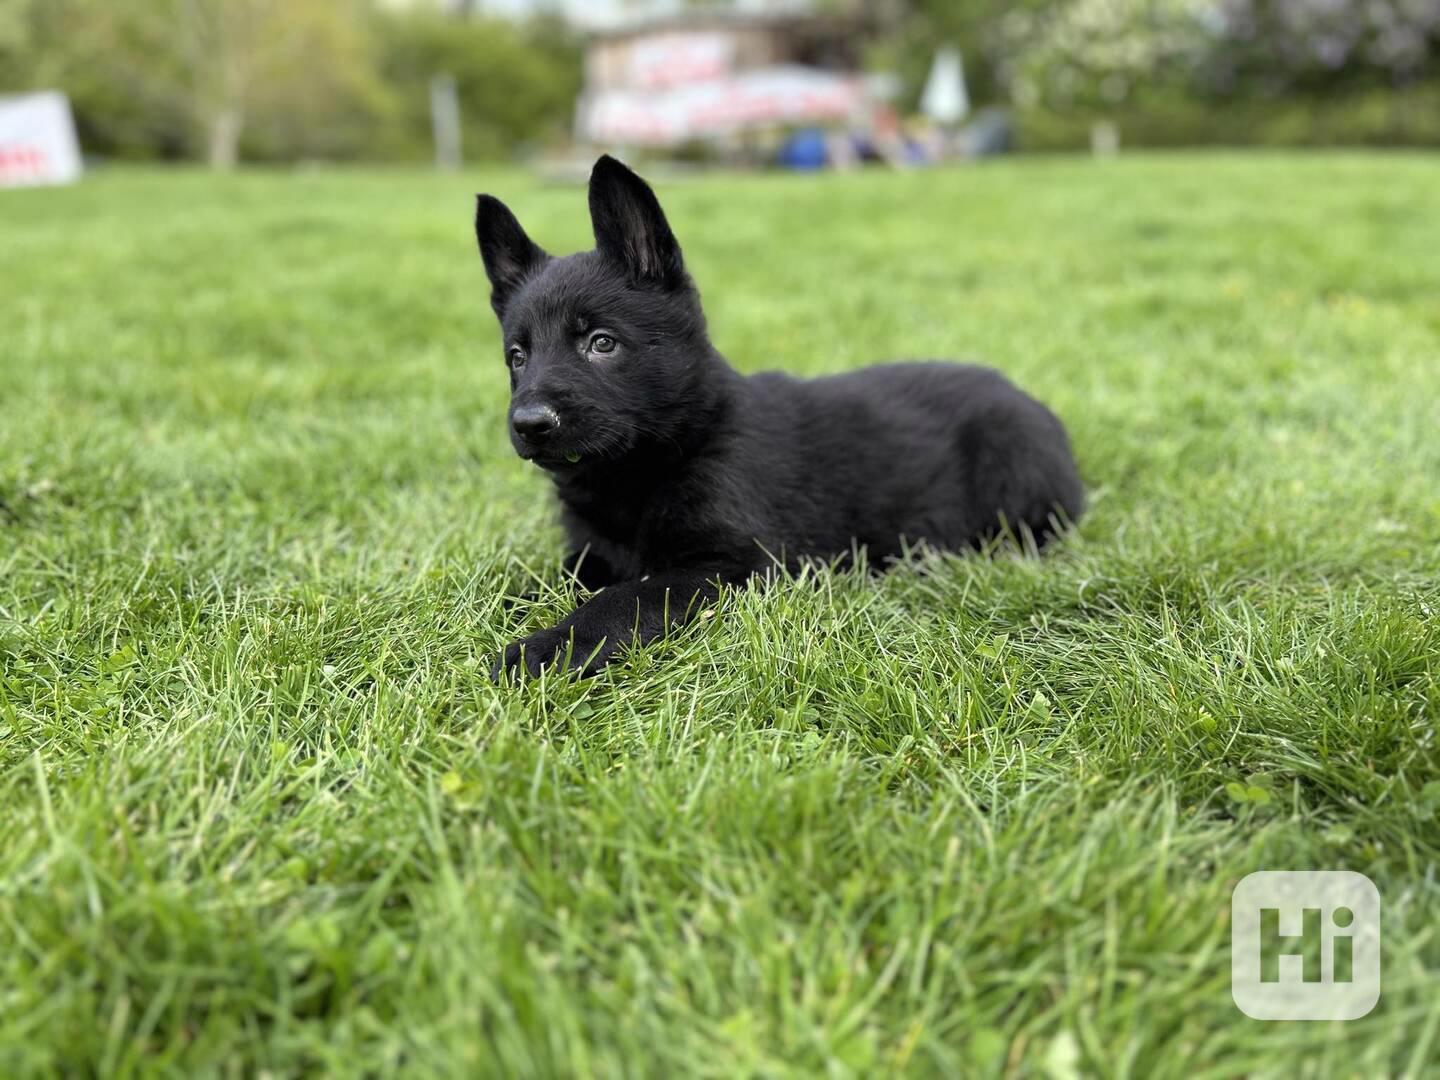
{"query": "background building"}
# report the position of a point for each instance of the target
(668, 79)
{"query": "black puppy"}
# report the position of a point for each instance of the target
(677, 475)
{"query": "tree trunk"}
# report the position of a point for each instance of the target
(225, 126)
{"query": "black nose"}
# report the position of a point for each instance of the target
(534, 422)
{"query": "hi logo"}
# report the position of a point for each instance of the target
(1305, 945)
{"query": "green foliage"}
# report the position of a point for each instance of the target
(1097, 52)
(319, 95)
(205, 77)
(15, 35)
(517, 84)
(1187, 72)
(86, 49)
(261, 532)
(1275, 47)
(284, 79)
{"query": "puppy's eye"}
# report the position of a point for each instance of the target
(602, 343)
(515, 356)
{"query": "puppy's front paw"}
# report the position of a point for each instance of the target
(568, 649)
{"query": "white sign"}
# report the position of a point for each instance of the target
(37, 141)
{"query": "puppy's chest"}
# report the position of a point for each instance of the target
(636, 537)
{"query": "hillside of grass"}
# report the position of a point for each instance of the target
(261, 534)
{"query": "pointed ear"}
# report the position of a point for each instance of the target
(509, 255)
(630, 227)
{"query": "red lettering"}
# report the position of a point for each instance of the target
(22, 161)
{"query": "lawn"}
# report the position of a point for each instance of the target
(261, 534)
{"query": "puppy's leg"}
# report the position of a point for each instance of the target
(624, 613)
(587, 569)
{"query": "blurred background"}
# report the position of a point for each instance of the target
(828, 83)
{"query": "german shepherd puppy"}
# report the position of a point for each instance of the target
(678, 476)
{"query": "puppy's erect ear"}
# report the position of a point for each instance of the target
(630, 227)
(510, 256)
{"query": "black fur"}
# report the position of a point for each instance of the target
(677, 475)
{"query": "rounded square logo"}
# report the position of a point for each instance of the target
(1305, 945)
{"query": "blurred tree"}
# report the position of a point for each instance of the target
(14, 30)
(286, 79)
(985, 32)
(517, 82)
(1093, 54)
(1101, 56)
(1282, 46)
(197, 74)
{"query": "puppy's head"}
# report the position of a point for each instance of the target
(604, 346)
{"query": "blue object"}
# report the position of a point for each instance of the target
(804, 150)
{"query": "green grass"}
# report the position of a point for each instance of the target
(264, 812)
